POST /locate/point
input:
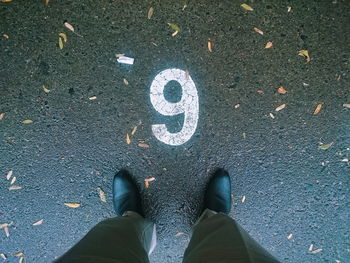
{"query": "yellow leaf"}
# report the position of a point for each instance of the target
(305, 54)
(174, 27)
(247, 7)
(27, 121)
(15, 187)
(269, 44)
(318, 109)
(101, 194)
(257, 30)
(150, 12)
(72, 205)
(19, 254)
(325, 146)
(46, 90)
(128, 140)
(39, 222)
(60, 42)
(64, 36)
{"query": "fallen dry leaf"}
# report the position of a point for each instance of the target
(257, 30)
(46, 90)
(317, 109)
(150, 12)
(281, 90)
(247, 7)
(143, 145)
(237, 106)
(289, 9)
(210, 46)
(38, 223)
(174, 27)
(60, 43)
(27, 121)
(63, 36)
(316, 251)
(15, 187)
(72, 205)
(126, 82)
(281, 107)
(2, 226)
(133, 131)
(311, 247)
(260, 91)
(3, 256)
(93, 98)
(272, 116)
(6, 1)
(46, 2)
(179, 234)
(243, 199)
(101, 194)
(345, 160)
(13, 180)
(6, 36)
(305, 54)
(269, 44)
(119, 55)
(346, 105)
(7, 232)
(2, 115)
(18, 254)
(148, 180)
(128, 140)
(290, 236)
(69, 26)
(325, 146)
(9, 174)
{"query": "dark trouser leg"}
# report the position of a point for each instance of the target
(125, 239)
(218, 238)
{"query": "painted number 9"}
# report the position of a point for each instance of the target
(188, 105)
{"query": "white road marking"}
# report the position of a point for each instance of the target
(188, 105)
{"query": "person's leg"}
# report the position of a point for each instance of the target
(128, 238)
(121, 239)
(216, 237)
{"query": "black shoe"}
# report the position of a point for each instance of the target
(218, 193)
(126, 195)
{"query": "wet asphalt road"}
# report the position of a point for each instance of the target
(76, 144)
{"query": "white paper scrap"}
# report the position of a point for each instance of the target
(125, 60)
